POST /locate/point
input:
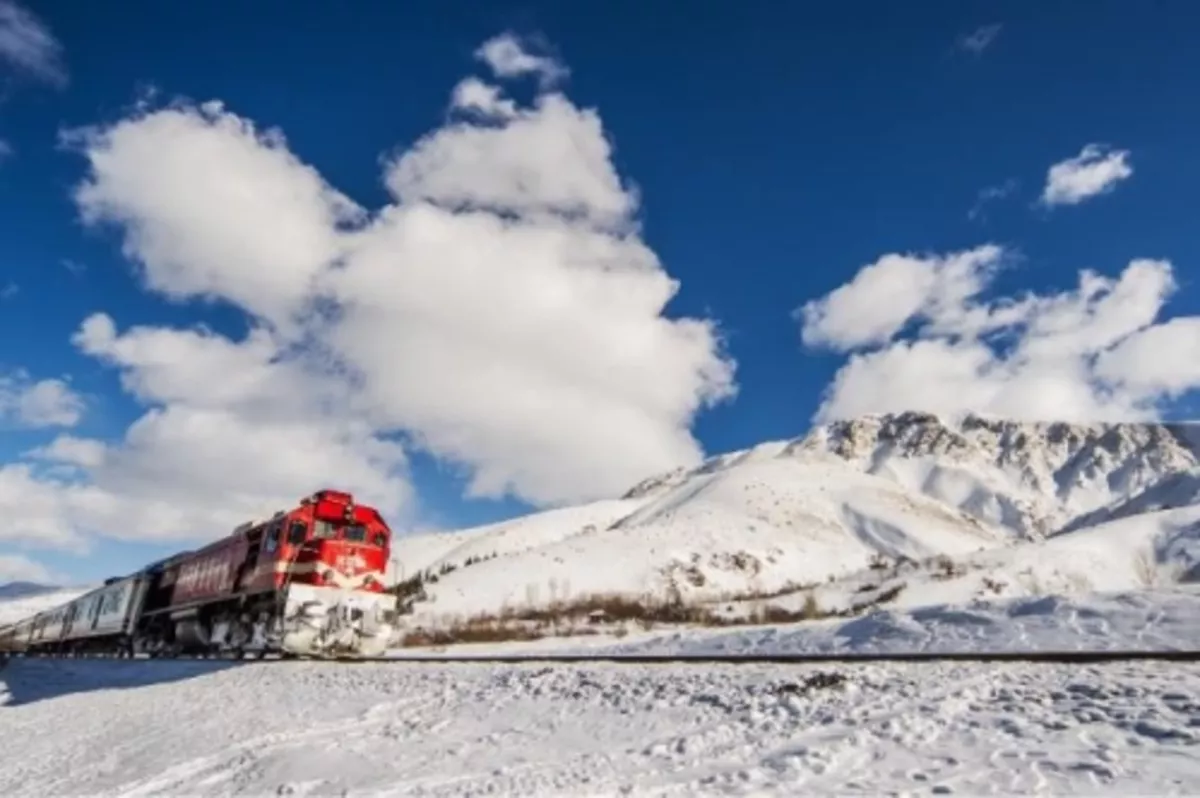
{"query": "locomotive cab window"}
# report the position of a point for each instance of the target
(380, 540)
(355, 533)
(272, 539)
(324, 530)
(297, 532)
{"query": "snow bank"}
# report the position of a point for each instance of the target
(1147, 620)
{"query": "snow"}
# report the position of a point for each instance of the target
(1034, 478)
(1132, 621)
(903, 510)
(421, 552)
(208, 728)
(1163, 619)
(762, 525)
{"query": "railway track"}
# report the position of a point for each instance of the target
(1060, 657)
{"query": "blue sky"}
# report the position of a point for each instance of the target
(774, 153)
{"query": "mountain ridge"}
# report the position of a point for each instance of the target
(822, 513)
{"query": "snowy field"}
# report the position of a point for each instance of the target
(1144, 620)
(212, 728)
(137, 729)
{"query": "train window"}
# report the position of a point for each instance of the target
(297, 533)
(324, 530)
(356, 533)
(379, 540)
(272, 539)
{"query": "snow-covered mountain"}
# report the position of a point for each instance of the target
(1035, 478)
(943, 509)
(21, 599)
(16, 590)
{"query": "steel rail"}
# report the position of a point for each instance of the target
(1061, 657)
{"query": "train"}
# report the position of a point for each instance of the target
(307, 582)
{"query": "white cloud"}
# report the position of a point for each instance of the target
(921, 338)
(980, 39)
(45, 403)
(27, 45)
(1163, 359)
(42, 513)
(255, 226)
(551, 160)
(508, 58)
(1095, 170)
(503, 313)
(236, 431)
(71, 451)
(19, 568)
(886, 295)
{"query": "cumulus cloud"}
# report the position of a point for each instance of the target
(920, 335)
(886, 295)
(979, 39)
(234, 432)
(254, 227)
(1095, 170)
(28, 46)
(501, 313)
(44, 403)
(42, 513)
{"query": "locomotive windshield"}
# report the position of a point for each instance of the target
(352, 533)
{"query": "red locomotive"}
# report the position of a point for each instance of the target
(307, 582)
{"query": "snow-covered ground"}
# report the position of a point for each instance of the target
(1145, 620)
(198, 729)
(1136, 621)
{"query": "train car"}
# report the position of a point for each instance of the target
(47, 628)
(14, 638)
(103, 620)
(308, 581)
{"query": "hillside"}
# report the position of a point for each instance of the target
(906, 510)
